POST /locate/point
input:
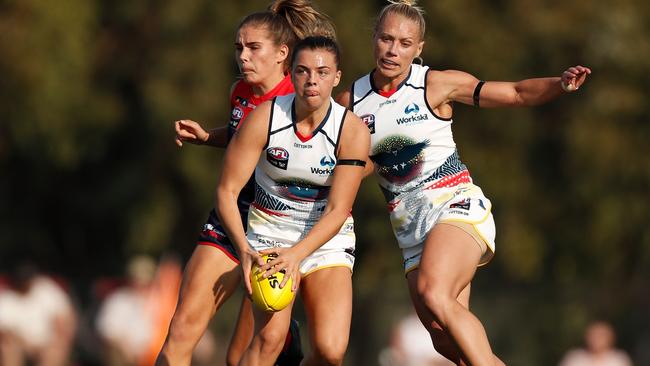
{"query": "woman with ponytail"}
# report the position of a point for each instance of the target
(308, 155)
(263, 45)
(441, 220)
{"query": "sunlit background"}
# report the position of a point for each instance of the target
(90, 176)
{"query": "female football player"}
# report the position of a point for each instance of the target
(442, 222)
(308, 156)
(263, 44)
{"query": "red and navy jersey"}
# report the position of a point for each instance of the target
(242, 101)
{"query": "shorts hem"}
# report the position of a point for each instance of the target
(411, 269)
(490, 251)
(221, 248)
(326, 267)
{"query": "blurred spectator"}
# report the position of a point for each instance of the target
(599, 349)
(133, 320)
(411, 346)
(37, 320)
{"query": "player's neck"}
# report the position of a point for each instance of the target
(267, 85)
(309, 119)
(387, 84)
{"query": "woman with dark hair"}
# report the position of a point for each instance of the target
(308, 156)
(263, 45)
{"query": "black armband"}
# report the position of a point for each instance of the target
(353, 162)
(477, 93)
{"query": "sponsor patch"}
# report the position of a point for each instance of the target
(327, 161)
(411, 108)
(418, 118)
(464, 204)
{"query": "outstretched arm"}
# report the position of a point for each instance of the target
(354, 146)
(240, 160)
(192, 132)
(449, 86)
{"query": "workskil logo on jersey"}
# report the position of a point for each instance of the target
(327, 166)
(412, 111)
(278, 157)
(369, 120)
(411, 108)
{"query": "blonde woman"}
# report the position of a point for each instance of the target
(441, 220)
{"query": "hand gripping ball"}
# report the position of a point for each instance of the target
(267, 294)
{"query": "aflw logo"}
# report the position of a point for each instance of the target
(277, 157)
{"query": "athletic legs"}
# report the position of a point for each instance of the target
(327, 296)
(447, 266)
(270, 334)
(208, 281)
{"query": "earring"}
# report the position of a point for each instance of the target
(418, 60)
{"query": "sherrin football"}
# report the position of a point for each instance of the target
(267, 294)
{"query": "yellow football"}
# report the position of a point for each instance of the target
(267, 294)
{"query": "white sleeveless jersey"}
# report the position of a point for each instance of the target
(411, 146)
(294, 175)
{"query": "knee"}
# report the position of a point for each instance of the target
(330, 352)
(271, 341)
(184, 331)
(437, 299)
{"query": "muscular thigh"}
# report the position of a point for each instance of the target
(327, 296)
(209, 279)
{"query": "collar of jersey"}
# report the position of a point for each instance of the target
(376, 90)
(315, 131)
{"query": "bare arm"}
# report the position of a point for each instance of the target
(457, 86)
(354, 145)
(343, 98)
(192, 132)
(240, 160)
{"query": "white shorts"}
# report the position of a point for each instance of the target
(322, 258)
(414, 214)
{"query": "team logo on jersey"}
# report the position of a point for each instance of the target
(411, 108)
(399, 159)
(369, 120)
(278, 157)
(237, 114)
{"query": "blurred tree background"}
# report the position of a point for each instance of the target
(91, 176)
